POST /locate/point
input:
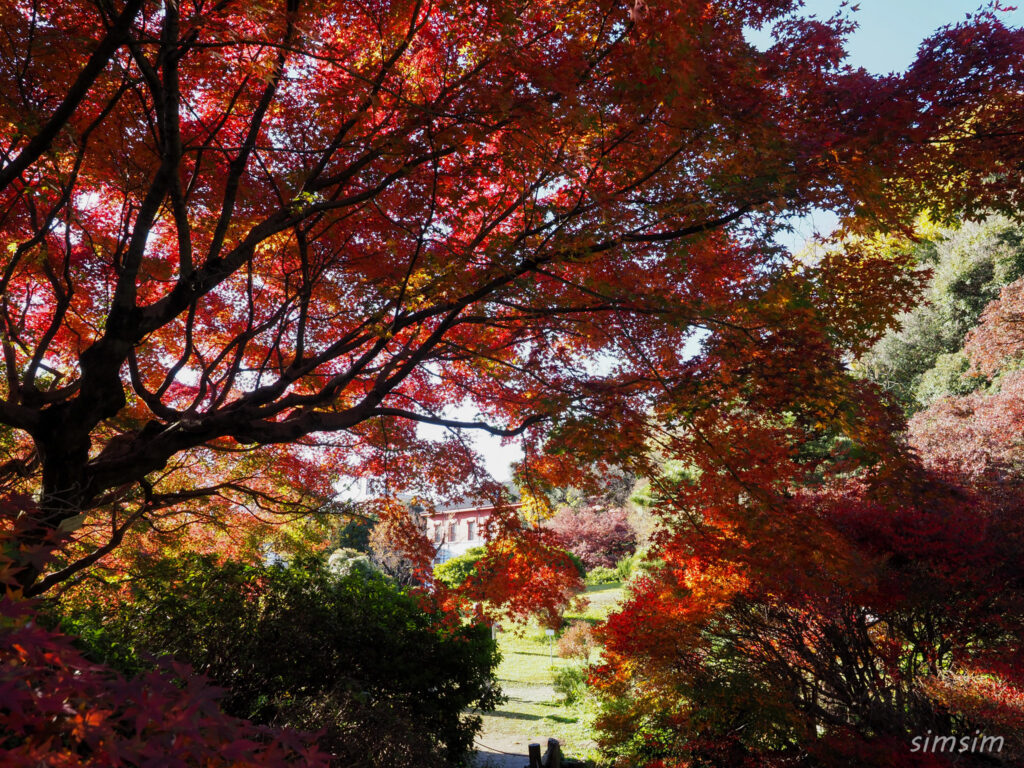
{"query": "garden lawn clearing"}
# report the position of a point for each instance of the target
(534, 711)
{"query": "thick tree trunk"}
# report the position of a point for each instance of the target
(65, 493)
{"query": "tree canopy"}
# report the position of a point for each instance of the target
(923, 358)
(244, 241)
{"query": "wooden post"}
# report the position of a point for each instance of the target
(553, 757)
(535, 756)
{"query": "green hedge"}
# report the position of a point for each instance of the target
(356, 656)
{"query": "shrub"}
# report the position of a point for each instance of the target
(571, 683)
(355, 656)
(345, 561)
(60, 709)
(599, 537)
(602, 575)
(625, 567)
(577, 641)
(701, 668)
(581, 568)
(456, 572)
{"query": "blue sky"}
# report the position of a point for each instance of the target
(885, 41)
(890, 30)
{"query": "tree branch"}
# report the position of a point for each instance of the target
(114, 39)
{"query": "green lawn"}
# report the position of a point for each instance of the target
(603, 599)
(534, 711)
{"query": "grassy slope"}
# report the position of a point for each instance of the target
(603, 599)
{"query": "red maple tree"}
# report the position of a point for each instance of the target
(816, 607)
(596, 535)
(245, 241)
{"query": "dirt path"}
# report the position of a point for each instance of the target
(503, 730)
(484, 759)
(508, 732)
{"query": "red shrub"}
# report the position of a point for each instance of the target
(60, 710)
(598, 536)
(577, 641)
